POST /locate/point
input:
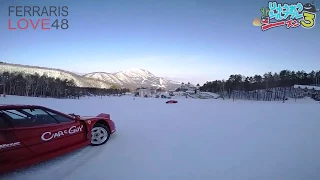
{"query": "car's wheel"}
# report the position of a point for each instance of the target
(99, 134)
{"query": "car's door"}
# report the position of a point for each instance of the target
(11, 149)
(43, 131)
(76, 130)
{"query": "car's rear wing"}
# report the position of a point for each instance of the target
(104, 115)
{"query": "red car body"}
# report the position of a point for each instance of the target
(32, 134)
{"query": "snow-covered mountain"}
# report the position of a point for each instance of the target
(134, 78)
(129, 79)
(79, 80)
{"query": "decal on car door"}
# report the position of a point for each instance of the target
(47, 136)
(3, 146)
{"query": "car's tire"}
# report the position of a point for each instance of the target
(99, 134)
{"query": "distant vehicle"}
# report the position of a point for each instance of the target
(172, 102)
(32, 134)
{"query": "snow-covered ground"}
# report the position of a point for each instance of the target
(194, 139)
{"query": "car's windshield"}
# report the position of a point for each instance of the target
(14, 114)
(25, 117)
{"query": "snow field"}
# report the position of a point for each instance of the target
(194, 139)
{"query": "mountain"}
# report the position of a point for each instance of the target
(134, 78)
(79, 80)
(128, 79)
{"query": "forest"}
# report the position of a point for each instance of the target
(43, 86)
(269, 86)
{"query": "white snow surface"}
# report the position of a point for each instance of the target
(308, 87)
(210, 94)
(193, 139)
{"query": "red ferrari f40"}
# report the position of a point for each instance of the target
(32, 134)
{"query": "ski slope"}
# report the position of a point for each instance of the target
(194, 139)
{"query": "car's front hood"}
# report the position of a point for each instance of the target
(99, 116)
(86, 117)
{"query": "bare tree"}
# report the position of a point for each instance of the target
(222, 90)
(28, 84)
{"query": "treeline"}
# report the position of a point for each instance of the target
(270, 86)
(43, 86)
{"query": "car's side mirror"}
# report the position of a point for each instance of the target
(77, 118)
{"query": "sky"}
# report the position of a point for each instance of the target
(193, 40)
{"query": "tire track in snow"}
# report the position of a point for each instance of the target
(56, 167)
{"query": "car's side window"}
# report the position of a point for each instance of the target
(59, 117)
(3, 124)
(34, 112)
(29, 117)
